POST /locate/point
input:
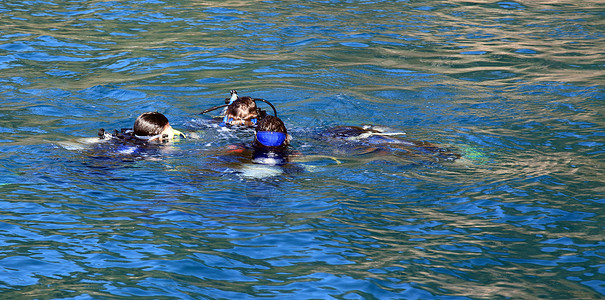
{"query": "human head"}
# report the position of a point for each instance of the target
(153, 125)
(241, 112)
(271, 132)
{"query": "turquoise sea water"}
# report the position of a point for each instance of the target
(515, 87)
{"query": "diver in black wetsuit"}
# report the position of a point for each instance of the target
(148, 127)
(271, 141)
(369, 139)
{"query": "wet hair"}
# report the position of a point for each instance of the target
(241, 112)
(150, 124)
(271, 124)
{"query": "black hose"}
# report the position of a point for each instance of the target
(225, 105)
(214, 108)
(263, 100)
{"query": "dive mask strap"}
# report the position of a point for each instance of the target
(149, 137)
(160, 137)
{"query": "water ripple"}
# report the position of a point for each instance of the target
(514, 87)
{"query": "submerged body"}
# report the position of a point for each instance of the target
(267, 155)
(150, 131)
(355, 140)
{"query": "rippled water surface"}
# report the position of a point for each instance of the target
(516, 88)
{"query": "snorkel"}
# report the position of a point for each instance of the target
(234, 97)
(178, 133)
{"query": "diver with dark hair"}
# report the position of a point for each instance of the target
(148, 127)
(242, 111)
(271, 141)
(271, 133)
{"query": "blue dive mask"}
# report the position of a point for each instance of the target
(270, 138)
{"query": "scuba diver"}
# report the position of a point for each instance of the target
(271, 140)
(270, 143)
(148, 127)
(357, 140)
(241, 111)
